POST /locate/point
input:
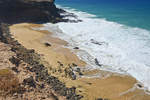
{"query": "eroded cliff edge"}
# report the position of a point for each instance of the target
(19, 11)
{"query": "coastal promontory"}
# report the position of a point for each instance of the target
(18, 11)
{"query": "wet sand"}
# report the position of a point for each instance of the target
(107, 85)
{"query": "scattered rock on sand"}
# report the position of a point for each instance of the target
(47, 44)
(97, 62)
(59, 63)
(99, 99)
(102, 99)
(76, 48)
(75, 65)
(78, 70)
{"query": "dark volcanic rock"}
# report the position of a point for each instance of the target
(15, 61)
(76, 48)
(17, 11)
(29, 81)
(102, 99)
(33, 11)
(47, 44)
(99, 99)
(15, 69)
(78, 70)
(97, 62)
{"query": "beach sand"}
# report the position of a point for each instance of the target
(108, 85)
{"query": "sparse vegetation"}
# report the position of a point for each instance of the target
(9, 83)
(35, 69)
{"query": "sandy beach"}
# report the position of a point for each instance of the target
(57, 58)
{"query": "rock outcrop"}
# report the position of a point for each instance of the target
(18, 11)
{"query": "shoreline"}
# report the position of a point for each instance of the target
(117, 47)
(91, 88)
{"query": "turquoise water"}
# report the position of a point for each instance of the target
(134, 13)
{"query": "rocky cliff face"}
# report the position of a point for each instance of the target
(18, 11)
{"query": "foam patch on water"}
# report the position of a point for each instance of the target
(117, 47)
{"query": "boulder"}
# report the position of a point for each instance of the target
(47, 44)
(76, 48)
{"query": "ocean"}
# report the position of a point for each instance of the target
(115, 32)
(135, 13)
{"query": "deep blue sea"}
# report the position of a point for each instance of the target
(115, 32)
(134, 13)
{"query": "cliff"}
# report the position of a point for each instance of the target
(18, 11)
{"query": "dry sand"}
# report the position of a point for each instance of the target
(35, 40)
(113, 87)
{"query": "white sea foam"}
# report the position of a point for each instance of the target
(117, 47)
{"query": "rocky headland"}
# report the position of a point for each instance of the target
(18, 11)
(31, 11)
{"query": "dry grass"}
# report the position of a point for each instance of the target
(9, 83)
